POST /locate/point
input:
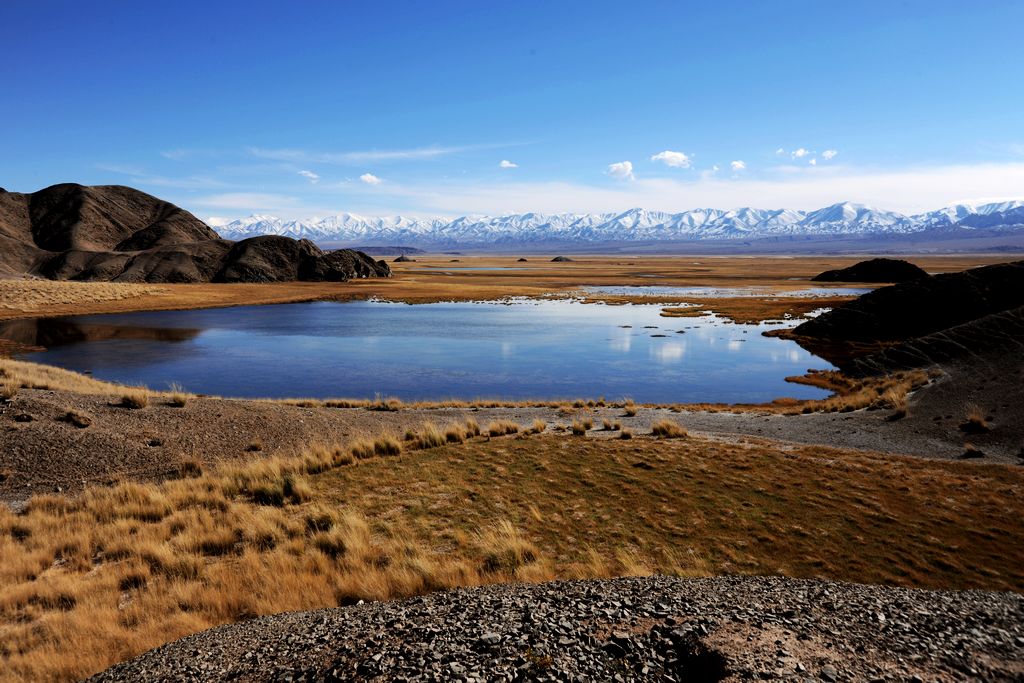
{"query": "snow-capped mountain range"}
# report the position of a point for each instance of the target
(635, 225)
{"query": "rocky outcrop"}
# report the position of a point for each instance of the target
(282, 259)
(874, 270)
(561, 259)
(119, 234)
(914, 309)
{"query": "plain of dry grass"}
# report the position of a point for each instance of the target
(42, 295)
(431, 279)
(90, 580)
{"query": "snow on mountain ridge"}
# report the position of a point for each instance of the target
(636, 224)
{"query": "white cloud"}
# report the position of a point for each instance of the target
(799, 153)
(673, 159)
(908, 190)
(246, 201)
(829, 154)
(364, 156)
(370, 179)
(813, 162)
(780, 152)
(715, 169)
(622, 170)
(505, 163)
(313, 177)
(738, 165)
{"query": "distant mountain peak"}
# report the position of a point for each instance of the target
(636, 224)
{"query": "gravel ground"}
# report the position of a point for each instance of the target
(657, 628)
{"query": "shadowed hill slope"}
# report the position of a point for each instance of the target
(914, 309)
(117, 233)
(995, 340)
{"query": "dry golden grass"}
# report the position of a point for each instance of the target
(696, 506)
(42, 295)
(502, 428)
(34, 375)
(976, 422)
(177, 396)
(8, 390)
(750, 309)
(432, 279)
(668, 429)
(92, 580)
(134, 398)
(429, 436)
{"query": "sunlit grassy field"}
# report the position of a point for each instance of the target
(95, 579)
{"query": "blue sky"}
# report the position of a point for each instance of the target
(301, 109)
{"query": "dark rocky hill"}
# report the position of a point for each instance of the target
(116, 233)
(914, 309)
(874, 270)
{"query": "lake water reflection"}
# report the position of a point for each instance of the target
(514, 350)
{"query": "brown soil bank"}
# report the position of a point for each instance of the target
(116, 233)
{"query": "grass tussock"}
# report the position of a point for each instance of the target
(8, 390)
(626, 433)
(538, 426)
(502, 428)
(975, 420)
(387, 446)
(630, 409)
(430, 436)
(897, 401)
(385, 404)
(76, 418)
(135, 398)
(454, 434)
(177, 398)
(668, 429)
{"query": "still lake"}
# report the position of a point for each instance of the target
(517, 349)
